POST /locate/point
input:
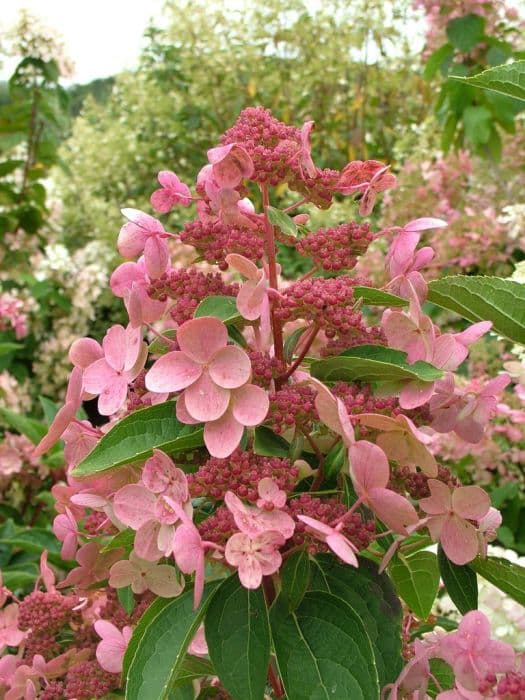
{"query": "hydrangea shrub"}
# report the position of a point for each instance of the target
(254, 519)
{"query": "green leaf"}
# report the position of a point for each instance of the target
(295, 576)
(373, 598)
(323, 650)
(223, 308)
(126, 599)
(8, 166)
(334, 461)
(373, 363)
(124, 539)
(160, 347)
(157, 649)
(461, 583)
(32, 429)
(416, 579)
(49, 408)
(464, 33)
(507, 80)
(438, 60)
(477, 121)
(291, 342)
(6, 348)
(192, 668)
(36, 540)
(501, 301)
(133, 439)
(238, 638)
(268, 444)
(505, 575)
(283, 222)
(377, 297)
(19, 578)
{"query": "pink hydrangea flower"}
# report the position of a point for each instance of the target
(472, 654)
(253, 294)
(94, 566)
(10, 635)
(450, 511)
(153, 517)
(161, 476)
(189, 552)
(171, 192)
(110, 651)
(369, 177)
(143, 575)
(333, 538)
(370, 475)
(144, 234)
(252, 520)
(231, 164)
(402, 441)
(487, 529)
(66, 530)
(108, 378)
(254, 557)
(214, 377)
(130, 282)
(270, 495)
(473, 417)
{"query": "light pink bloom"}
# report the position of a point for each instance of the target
(231, 164)
(252, 299)
(370, 475)
(487, 529)
(66, 530)
(189, 552)
(143, 575)
(473, 417)
(161, 476)
(198, 646)
(94, 566)
(152, 516)
(410, 331)
(402, 441)
(472, 654)
(111, 650)
(450, 511)
(252, 520)
(254, 557)
(270, 495)
(144, 234)
(10, 635)
(84, 351)
(130, 281)
(108, 378)
(206, 367)
(332, 412)
(46, 573)
(306, 163)
(333, 538)
(171, 192)
(65, 415)
(369, 177)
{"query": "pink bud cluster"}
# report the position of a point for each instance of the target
(337, 248)
(290, 406)
(240, 473)
(188, 287)
(214, 240)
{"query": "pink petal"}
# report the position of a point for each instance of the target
(122, 574)
(368, 466)
(243, 265)
(148, 223)
(60, 422)
(316, 525)
(250, 573)
(250, 405)
(134, 505)
(164, 582)
(156, 255)
(223, 436)
(230, 368)
(187, 548)
(114, 345)
(113, 396)
(423, 224)
(448, 354)
(250, 298)
(84, 351)
(162, 200)
(393, 509)
(204, 400)
(97, 376)
(470, 502)
(146, 540)
(333, 413)
(182, 413)
(131, 240)
(236, 548)
(173, 371)
(201, 338)
(415, 394)
(125, 276)
(459, 540)
(440, 499)
(344, 549)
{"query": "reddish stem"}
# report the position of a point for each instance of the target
(272, 274)
(275, 682)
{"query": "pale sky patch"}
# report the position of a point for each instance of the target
(102, 37)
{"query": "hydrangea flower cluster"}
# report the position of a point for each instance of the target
(261, 458)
